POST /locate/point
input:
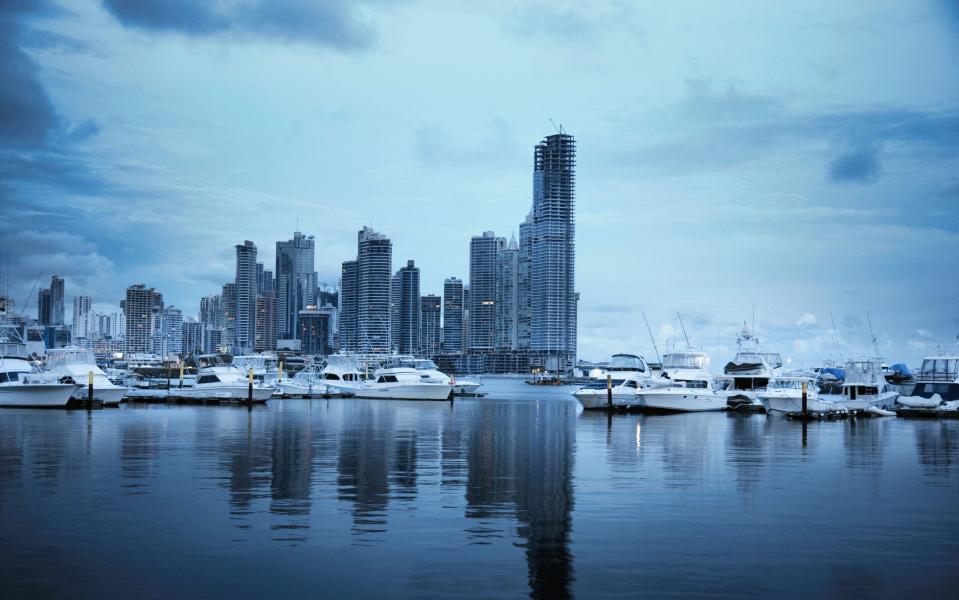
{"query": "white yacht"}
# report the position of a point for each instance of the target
(627, 372)
(22, 385)
(74, 365)
(864, 385)
(784, 395)
(685, 385)
(750, 371)
(394, 383)
(430, 373)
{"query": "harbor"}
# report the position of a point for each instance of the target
(517, 493)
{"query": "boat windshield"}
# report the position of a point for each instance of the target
(627, 362)
(940, 369)
(71, 356)
(786, 384)
(863, 371)
(425, 365)
(685, 360)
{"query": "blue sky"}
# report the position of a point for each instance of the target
(801, 156)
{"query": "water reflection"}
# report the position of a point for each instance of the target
(937, 446)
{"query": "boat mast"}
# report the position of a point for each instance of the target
(875, 348)
(653, 340)
(688, 345)
(835, 335)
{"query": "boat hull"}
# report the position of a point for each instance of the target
(295, 389)
(235, 393)
(419, 391)
(593, 399)
(682, 400)
(827, 403)
(466, 387)
(41, 395)
(110, 396)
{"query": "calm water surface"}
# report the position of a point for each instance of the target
(516, 494)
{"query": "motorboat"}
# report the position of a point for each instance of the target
(74, 364)
(685, 385)
(936, 383)
(430, 373)
(864, 385)
(23, 385)
(626, 373)
(622, 392)
(750, 371)
(342, 373)
(784, 395)
(308, 381)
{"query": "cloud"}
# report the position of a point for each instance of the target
(857, 165)
(496, 145)
(715, 127)
(806, 319)
(331, 23)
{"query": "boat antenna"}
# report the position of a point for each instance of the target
(653, 340)
(875, 348)
(835, 335)
(688, 345)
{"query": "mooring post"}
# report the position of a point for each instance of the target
(249, 394)
(89, 390)
(609, 391)
(805, 407)
(181, 373)
(280, 373)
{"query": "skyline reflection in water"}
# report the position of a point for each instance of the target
(518, 493)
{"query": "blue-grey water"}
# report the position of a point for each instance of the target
(513, 495)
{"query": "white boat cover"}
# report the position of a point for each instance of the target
(919, 401)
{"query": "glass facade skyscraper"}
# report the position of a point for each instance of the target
(453, 315)
(295, 282)
(482, 303)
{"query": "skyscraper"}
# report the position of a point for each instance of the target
(316, 330)
(430, 342)
(193, 338)
(524, 316)
(453, 315)
(211, 311)
(482, 303)
(228, 305)
(507, 288)
(170, 337)
(374, 281)
(56, 300)
(295, 282)
(246, 292)
(265, 324)
(82, 325)
(409, 309)
(349, 294)
(44, 307)
(139, 307)
(552, 274)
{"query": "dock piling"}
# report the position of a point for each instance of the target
(609, 391)
(805, 406)
(89, 390)
(249, 393)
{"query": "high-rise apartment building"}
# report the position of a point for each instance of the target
(552, 273)
(228, 305)
(169, 339)
(482, 303)
(409, 309)
(211, 311)
(193, 338)
(295, 282)
(316, 330)
(348, 311)
(524, 316)
(453, 315)
(265, 325)
(507, 304)
(57, 302)
(139, 307)
(430, 340)
(374, 282)
(82, 325)
(44, 307)
(246, 292)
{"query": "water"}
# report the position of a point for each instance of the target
(511, 495)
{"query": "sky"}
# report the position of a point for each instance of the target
(801, 158)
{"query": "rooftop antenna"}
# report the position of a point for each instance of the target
(875, 348)
(835, 335)
(688, 345)
(653, 340)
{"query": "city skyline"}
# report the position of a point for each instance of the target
(690, 153)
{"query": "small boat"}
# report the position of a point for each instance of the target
(308, 381)
(937, 380)
(626, 373)
(430, 373)
(74, 364)
(684, 385)
(342, 373)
